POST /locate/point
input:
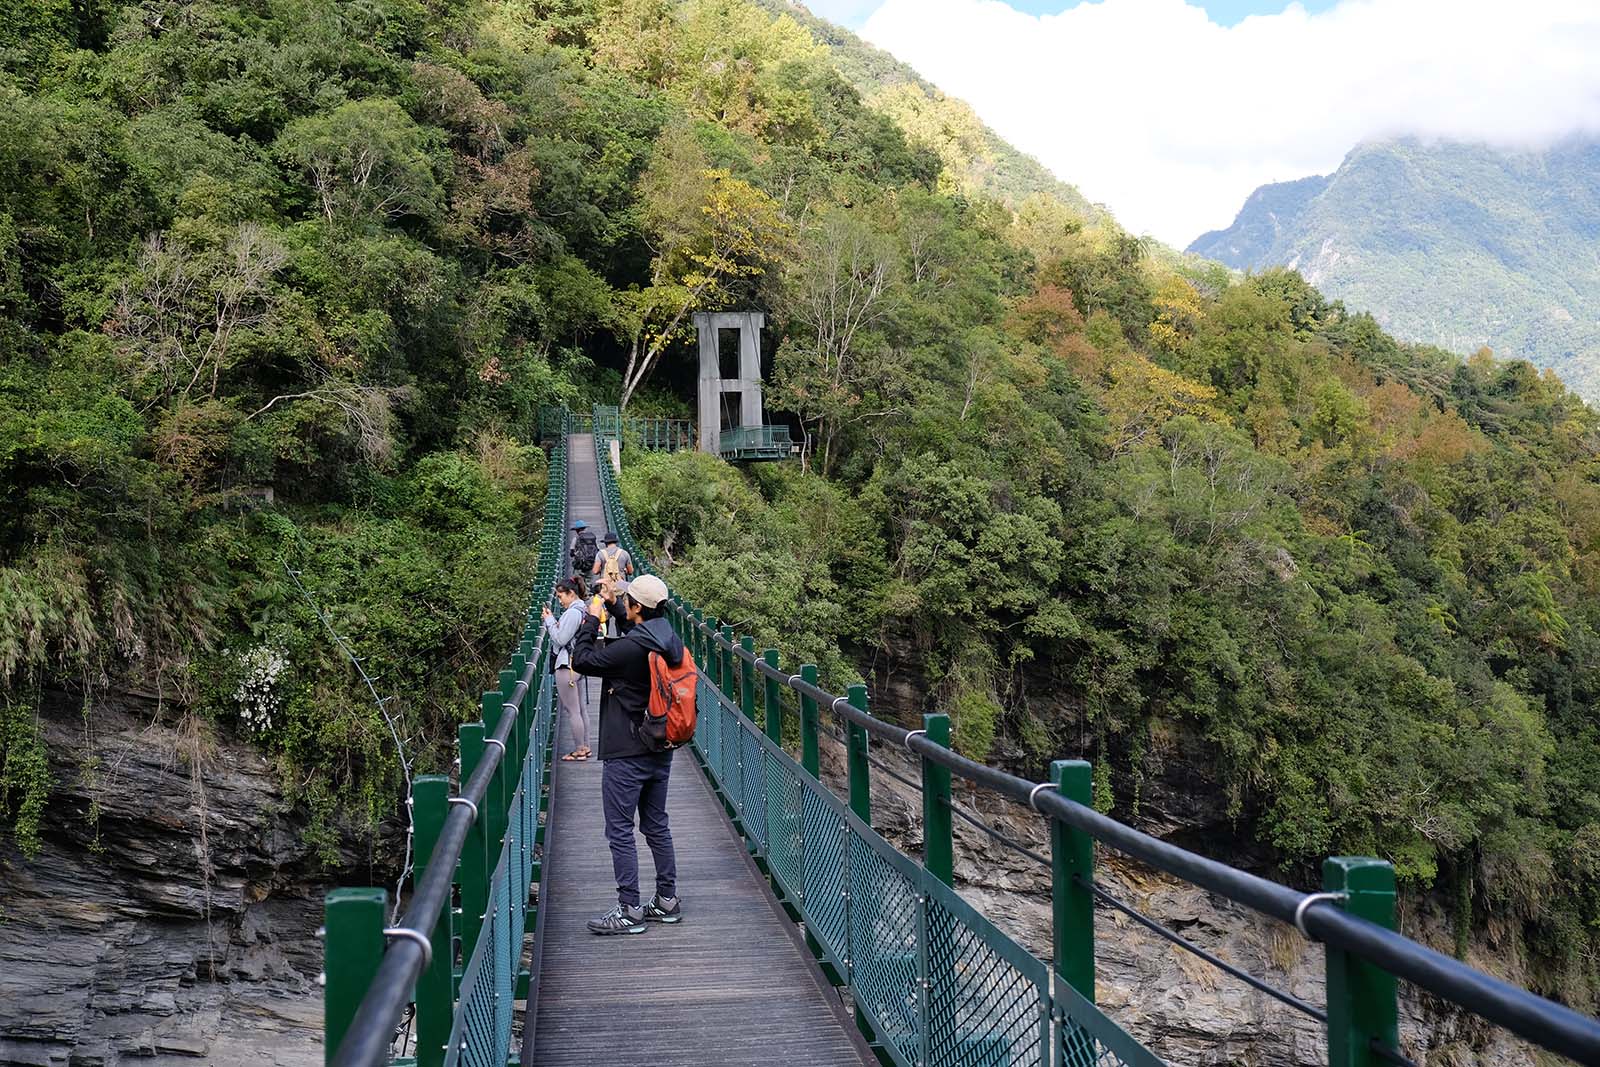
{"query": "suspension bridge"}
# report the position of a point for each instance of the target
(808, 936)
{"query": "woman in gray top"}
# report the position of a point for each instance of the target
(569, 686)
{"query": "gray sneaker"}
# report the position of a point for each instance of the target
(619, 920)
(660, 909)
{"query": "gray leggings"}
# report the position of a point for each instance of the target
(569, 692)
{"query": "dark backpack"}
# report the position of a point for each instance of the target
(583, 550)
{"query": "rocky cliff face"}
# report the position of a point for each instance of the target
(171, 915)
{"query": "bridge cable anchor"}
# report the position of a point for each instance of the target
(1306, 902)
(407, 934)
(1033, 794)
(468, 803)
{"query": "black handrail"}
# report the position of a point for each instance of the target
(367, 1043)
(1545, 1023)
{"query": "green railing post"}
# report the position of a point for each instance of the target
(1071, 859)
(747, 678)
(728, 658)
(713, 653)
(772, 704)
(497, 799)
(810, 756)
(518, 736)
(856, 758)
(352, 947)
(1362, 999)
(429, 806)
(861, 805)
(810, 760)
(938, 844)
(475, 851)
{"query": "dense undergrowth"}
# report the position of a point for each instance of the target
(1100, 498)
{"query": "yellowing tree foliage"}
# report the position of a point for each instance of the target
(712, 231)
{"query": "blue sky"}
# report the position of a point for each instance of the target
(854, 13)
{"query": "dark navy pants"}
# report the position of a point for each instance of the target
(638, 784)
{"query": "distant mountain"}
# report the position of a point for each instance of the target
(1452, 244)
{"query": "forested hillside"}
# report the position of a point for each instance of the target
(1457, 245)
(284, 283)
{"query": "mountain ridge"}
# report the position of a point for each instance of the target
(1448, 243)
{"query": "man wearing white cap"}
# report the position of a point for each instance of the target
(633, 780)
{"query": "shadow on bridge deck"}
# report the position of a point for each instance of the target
(731, 984)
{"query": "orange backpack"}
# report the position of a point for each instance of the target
(669, 721)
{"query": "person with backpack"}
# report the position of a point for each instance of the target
(583, 548)
(614, 564)
(569, 687)
(647, 666)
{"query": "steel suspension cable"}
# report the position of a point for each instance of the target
(1189, 946)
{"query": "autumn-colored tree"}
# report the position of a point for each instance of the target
(1178, 314)
(1144, 397)
(712, 232)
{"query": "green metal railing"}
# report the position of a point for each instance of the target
(932, 980)
(755, 442)
(651, 434)
(659, 435)
(460, 966)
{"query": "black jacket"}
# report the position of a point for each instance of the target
(623, 666)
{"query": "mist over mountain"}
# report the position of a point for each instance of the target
(1452, 244)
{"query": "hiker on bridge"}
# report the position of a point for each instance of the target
(634, 777)
(614, 564)
(569, 687)
(583, 549)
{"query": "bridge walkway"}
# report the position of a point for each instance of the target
(730, 985)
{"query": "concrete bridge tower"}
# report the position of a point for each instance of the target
(746, 379)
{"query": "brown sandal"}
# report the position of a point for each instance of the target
(575, 757)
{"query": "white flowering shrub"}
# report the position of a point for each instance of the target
(259, 700)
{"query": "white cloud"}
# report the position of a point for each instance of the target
(1149, 107)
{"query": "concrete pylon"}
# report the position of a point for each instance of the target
(713, 385)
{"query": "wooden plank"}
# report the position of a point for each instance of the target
(728, 985)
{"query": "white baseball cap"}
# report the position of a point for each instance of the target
(647, 591)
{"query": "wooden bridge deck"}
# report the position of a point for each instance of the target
(730, 985)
